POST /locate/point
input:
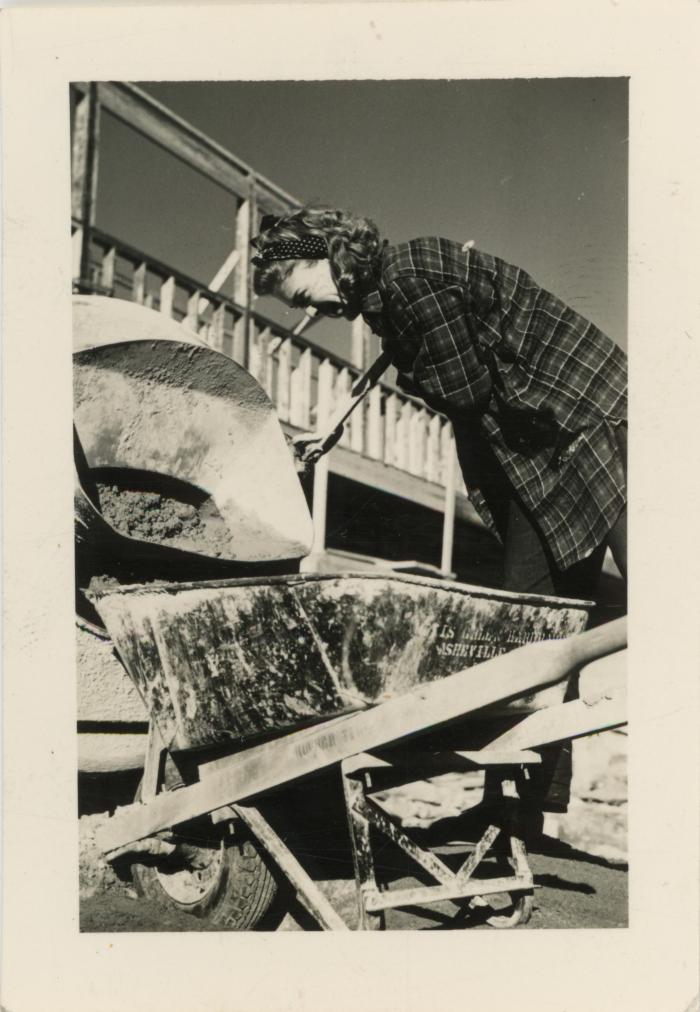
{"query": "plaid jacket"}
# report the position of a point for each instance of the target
(508, 362)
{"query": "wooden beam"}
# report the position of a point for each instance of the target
(309, 894)
(149, 117)
(448, 526)
(242, 291)
(319, 506)
(360, 837)
(260, 768)
(458, 889)
(562, 723)
(391, 479)
(84, 166)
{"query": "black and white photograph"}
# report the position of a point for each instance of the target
(339, 316)
(351, 504)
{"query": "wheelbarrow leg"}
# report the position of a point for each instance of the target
(308, 893)
(362, 857)
(153, 764)
(512, 823)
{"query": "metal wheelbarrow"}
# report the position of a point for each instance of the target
(255, 684)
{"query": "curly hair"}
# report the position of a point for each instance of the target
(354, 247)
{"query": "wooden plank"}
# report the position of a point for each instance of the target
(341, 392)
(457, 890)
(391, 408)
(416, 443)
(77, 251)
(167, 296)
(432, 453)
(193, 311)
(242, 292)
(375, 442)
(224, 271)
(403, 435)
(152, 763)
(218, 326)
(425, 858)
(84, 163)
(84, 169)
(563, 722)
(300, 392)
(149, 117)
(360, 343)
(390, 479)
(360, 838)
(138, 284)
(446, 451)
(264, 361)
(446, 761)
(109, 259)
(467, 869)
(235, 778)
(308, 892)
(217, 281)
(284, 371)
(448, 526)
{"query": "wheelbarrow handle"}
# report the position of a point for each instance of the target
(311, 447)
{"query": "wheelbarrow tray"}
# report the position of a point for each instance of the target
(228, 661)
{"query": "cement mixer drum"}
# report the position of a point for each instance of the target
(150, 396)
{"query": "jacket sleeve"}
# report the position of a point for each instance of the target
(433, 319)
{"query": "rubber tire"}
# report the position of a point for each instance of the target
(242, 896)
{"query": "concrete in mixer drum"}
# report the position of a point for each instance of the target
(160, 519)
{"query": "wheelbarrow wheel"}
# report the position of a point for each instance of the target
(517, 912)
(218, 874)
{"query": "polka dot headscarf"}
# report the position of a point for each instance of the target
(311, 247)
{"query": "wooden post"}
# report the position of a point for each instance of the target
(320, 494)
(192, 318)
(343, 385)
(362, 858)
(403, 431)
(360, 343)
(432, 464)
(218, 321)
(357, 425)
(416, 444)
(139, 284)
(300, 408)
(284, 370)
(391, 406)
(108, 268)
(308, 893)
(448, 528)
(242, 290)
(374, 423)
(84, 163)
(264, 361)
(167, 296)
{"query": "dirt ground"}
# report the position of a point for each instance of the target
(574, 890)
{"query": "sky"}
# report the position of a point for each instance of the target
(534, 171)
